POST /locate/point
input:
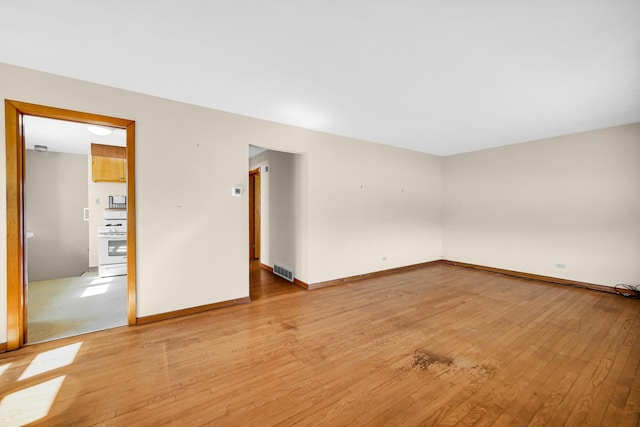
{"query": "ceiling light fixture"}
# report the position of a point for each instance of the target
(98, 130)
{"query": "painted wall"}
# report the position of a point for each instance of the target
(356, 197)
(55, 196)
(372, 207)
(363, 207)
(566, 207)
(380, 203)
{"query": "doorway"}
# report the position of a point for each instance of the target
(282, 207)
(15, 113)
(263, 284)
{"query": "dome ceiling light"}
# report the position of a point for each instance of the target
(98, 130)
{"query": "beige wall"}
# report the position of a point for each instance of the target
(372, 207)
(363, 207)
(192, 234)
(55, 196)
(572, 200)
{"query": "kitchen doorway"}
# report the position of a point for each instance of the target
(17, 116)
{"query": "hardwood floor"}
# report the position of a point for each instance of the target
(442, 345)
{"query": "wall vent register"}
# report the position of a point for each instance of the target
(285, 273)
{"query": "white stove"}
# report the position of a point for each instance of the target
(112, 243)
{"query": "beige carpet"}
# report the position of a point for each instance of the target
(71, 306)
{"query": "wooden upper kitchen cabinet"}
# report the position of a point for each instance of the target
(108, 163)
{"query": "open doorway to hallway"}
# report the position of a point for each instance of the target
(275, 203)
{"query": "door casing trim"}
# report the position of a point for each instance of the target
(15, 176)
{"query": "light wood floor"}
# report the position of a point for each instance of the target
(442, 345)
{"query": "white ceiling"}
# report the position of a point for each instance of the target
(67, 137)
(441, 77)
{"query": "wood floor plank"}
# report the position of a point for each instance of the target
(543, 383)
(585, 391)
(441, 345)
(519, 360)
(622, 376)
(561, 380)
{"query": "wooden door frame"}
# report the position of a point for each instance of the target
(254, 214)
(15, 163)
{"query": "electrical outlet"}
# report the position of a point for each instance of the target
(561, 266)
(384, 258)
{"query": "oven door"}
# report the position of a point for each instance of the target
(113, 248)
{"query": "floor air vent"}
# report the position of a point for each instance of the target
(279, 270)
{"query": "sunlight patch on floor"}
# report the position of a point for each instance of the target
(101, 280)
(50, 360)
(29, 404)
(4, 368)
(95, 290)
